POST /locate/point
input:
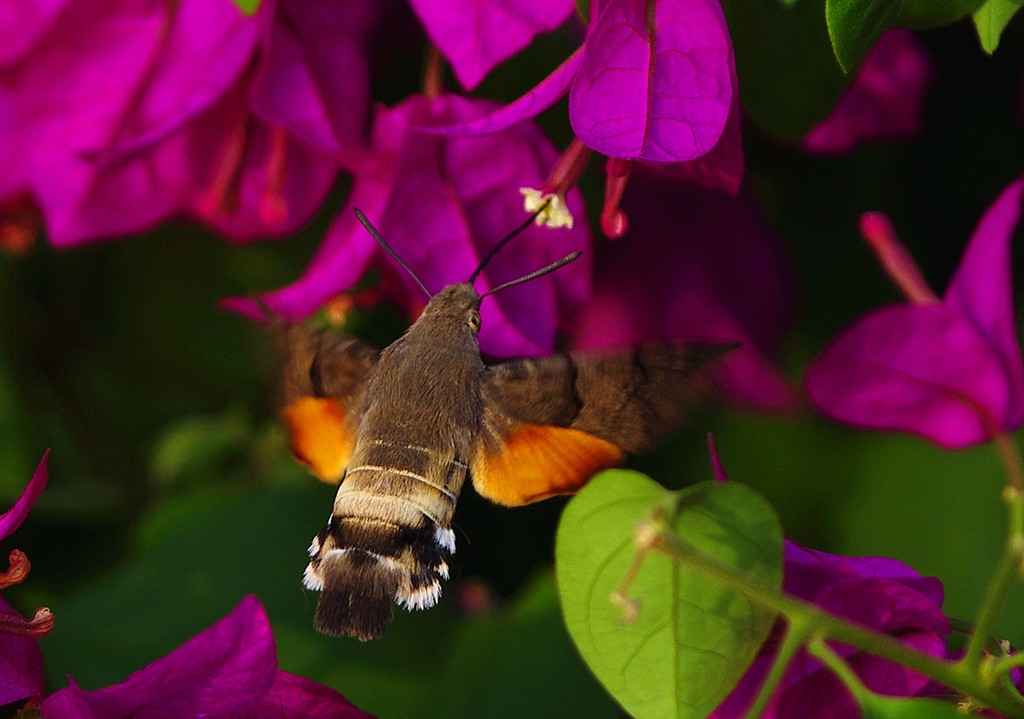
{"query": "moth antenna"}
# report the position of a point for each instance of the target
(505, 240)
(535, 274)
(365, 222)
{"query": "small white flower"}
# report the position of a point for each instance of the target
(555, 215)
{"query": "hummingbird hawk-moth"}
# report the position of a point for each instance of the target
(403, 428)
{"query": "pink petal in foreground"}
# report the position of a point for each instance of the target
(477, 35)
(223, 671)
(21, 662)
(295, 697)
(229, 670)
(660, 91)
(922, 369)
(886, 605)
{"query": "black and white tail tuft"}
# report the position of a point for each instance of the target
(363, 567)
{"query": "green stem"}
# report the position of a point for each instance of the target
(838, 665)
(989, 610)
(1009, 563)
(836, 629)
(1002, 667)
(796, 634)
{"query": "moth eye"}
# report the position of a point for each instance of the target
(474, 321)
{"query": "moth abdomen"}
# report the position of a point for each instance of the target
(390, 474)
(364, 565)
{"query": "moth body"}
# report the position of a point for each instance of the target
(389, 538)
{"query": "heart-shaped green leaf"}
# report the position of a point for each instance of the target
(693, 637)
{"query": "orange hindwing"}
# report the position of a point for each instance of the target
(319, 436)
(537, 461)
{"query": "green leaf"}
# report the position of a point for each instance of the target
(879, 707)
(249, 7)
(788, 75)
(693, 637)
(196, 444)
(991, 19)
(855, 25)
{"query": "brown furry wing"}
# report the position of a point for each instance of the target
(551, 423)
(324, 377)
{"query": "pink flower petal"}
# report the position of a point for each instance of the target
(922, 369)
(949, 371)
(877, 592)
(226, 669)
(13, 517)
(982, 291)
(295, 697)
(534, 102)
(278, 183)
(884, 604)
(128, 113)
(21, 665)
(347, 250)
(23, 23)
(723, 167)
(477, 35)
(884, 100)
(811, 571)
(314, 78)
(658, 91)
(203, 49)
(14, 181)
(892, 607)
(71, 97)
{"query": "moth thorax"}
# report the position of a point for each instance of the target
(364, 566)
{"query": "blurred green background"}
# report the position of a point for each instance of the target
(171, 495)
